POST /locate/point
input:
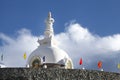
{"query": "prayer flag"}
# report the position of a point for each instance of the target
(25, 56)
(43, 58)
(80, 62)
(2, 57)
(100, 64)
(118, 66)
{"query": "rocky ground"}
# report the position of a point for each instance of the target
(55, 74)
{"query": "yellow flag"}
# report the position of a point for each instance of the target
(118, 66)
(24, 56)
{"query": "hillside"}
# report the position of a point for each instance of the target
(55, 74)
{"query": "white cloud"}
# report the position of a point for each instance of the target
(80, 43)
(14, 48)
(77, 41)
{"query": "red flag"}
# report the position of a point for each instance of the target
(100, 64)
(80, 62)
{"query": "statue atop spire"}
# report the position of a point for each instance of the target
(49, 26)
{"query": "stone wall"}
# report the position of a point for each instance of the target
(55, 74)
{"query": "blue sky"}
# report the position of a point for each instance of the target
(100, 17)
(85, 28)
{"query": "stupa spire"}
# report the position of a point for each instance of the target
(49, 26)
(49, 32)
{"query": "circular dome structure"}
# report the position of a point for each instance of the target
(48, 53)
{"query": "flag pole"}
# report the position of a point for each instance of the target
(25, 57)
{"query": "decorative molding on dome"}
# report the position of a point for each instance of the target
(34, 58)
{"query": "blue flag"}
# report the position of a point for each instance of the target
(43, 58)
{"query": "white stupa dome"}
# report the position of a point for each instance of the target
(52, 54)
(48, 53)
